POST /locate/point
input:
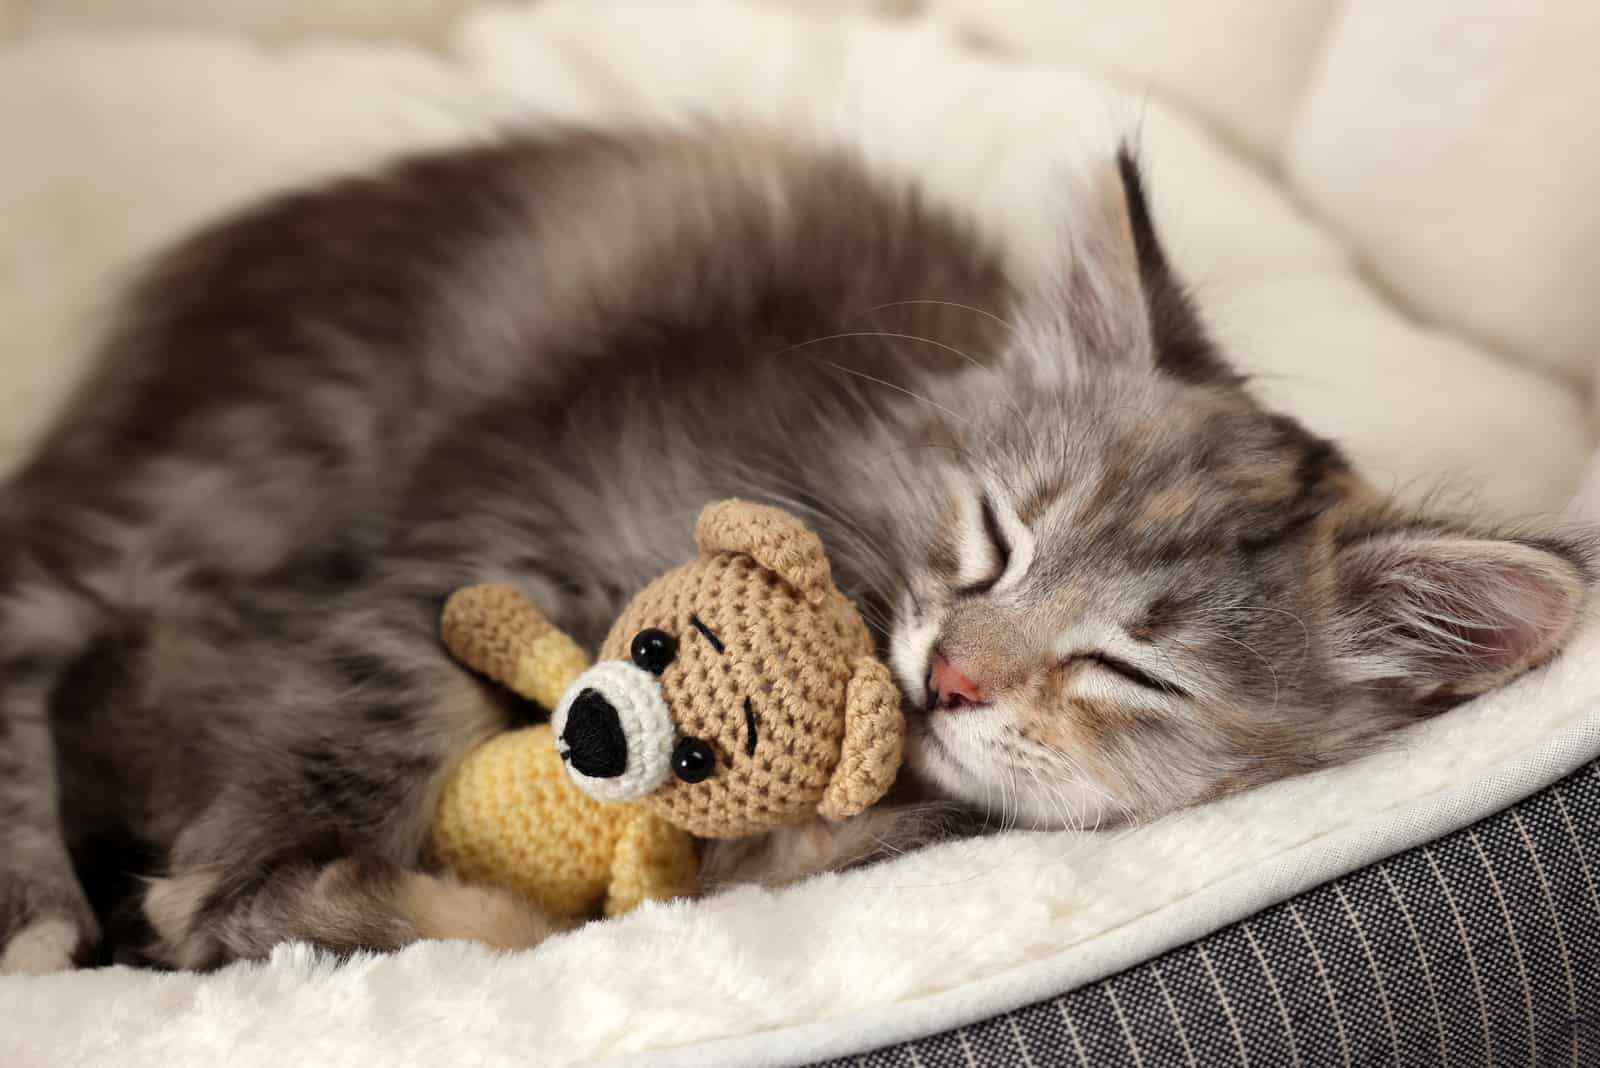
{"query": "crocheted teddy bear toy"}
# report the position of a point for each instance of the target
(735, 693)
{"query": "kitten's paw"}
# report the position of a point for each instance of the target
(43, 946)
(54, 928)
(443, 908)
(172, 907)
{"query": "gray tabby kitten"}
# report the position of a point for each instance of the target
(1111, 583)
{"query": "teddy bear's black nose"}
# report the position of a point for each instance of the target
(595, 743)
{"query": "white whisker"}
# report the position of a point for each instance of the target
(1006, 323)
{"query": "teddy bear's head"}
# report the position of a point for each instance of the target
(739, 691)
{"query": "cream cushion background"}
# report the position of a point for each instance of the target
(1425, 307)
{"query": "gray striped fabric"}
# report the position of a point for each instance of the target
(1481, 948)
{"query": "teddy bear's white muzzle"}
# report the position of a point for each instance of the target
(614, 732)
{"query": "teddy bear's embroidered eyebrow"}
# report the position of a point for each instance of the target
(705, 632)
(749, 728)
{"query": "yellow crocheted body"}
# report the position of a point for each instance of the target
(509, 816)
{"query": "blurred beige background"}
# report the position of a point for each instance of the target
(1386, 211)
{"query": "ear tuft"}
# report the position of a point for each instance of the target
(772, 538)
(1182, 347)
(1452, 615)
(1119, 300)
(1096, 303)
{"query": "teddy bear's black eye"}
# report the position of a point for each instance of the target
(653, 650)
(693, 761)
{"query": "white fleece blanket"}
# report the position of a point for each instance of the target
(121, 125)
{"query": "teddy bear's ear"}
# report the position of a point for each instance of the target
(773, 538)
(874, 738)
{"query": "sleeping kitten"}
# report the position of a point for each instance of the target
(1110, 583)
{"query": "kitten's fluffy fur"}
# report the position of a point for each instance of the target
(533, 362)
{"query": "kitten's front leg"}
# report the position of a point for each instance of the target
(361, 902)
(46, 923)
(788, 854)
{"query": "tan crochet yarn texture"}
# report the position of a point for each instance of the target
(764, 636)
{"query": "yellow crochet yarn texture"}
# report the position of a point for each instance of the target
(510, 817)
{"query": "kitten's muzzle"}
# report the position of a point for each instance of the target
(614, 732)
(951, 685)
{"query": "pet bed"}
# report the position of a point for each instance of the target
(1435, 903)
(1480, 947)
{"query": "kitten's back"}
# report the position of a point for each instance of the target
(378, 381)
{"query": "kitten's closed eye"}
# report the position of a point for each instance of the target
(999, 545)
(1137, 676)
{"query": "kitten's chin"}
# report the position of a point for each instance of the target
(942, 774)
(923, 761)
(1007, 797)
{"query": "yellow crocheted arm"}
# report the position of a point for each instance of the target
(495, 630)
(654, 860)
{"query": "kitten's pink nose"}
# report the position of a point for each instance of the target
(950, 686)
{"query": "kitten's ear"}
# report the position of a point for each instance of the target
(1120, 299)
(1182, 347)
(1446, 616)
